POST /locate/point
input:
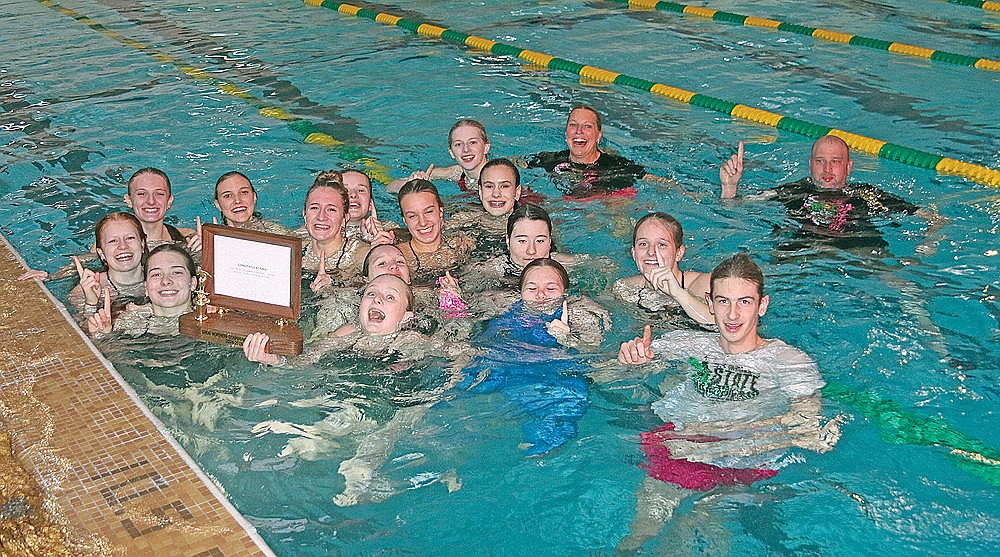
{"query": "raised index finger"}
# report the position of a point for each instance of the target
(79, 266)
(565, 314)
(371, 209)
(197, 224)
(429, 170)
(322, 263)
(107, 300)
(647, 337)
(739, 153)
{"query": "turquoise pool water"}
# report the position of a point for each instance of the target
(81, 110)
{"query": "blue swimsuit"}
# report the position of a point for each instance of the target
(524, 362)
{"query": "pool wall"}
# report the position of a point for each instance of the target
(113, 478)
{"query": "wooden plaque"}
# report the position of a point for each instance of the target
(257, 276)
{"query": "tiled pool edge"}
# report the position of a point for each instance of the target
(112, 472)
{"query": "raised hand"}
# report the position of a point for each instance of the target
(559, 327)
(637, 351)
(255, 349)
(730, 173)
(662, 277)
(423, 175)
(322, 279)
(376, 233)
(90, 283)
(194, 241)
(100, 322)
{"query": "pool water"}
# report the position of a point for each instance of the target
(916, 333)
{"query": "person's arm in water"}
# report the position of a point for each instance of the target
(450, 173)
(692, 301)
(799, 427)
(581, 325)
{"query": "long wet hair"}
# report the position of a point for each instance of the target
(742, 267)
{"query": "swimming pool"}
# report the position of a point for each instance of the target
(81, 109)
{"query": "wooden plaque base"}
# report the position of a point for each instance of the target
(231, 328)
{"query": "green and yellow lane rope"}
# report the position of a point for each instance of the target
(824, 34)
(879, 148)
(305, 128)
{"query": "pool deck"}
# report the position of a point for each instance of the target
(116, 481)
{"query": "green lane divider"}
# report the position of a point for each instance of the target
(302, 126)
(879, 148)
(900, 427)
(833, 36)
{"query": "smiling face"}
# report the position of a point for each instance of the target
(737, 306)
(324, 214)
(386, 259)
(169, 283)
(468, 147)
(651, 237)
(359, 190)
(149, 197)
(423, 216)
(542, 288)
(385, 304)
(529, 240)
(830, 163)
(121, 246)
(583, 133)
(498, 190)
(235, 198)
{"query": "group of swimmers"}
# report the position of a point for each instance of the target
(738, 404)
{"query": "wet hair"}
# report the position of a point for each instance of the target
(408, 290)
(531, 212)
(546, 262)
(366, 267)
(672, 224)
(505, 163)
(149, 170)
(330, 179)
(356, 171)
(227, 176)
(119, 216)
(742, 267)
(471, 124)
(597, 115)
(172, 248)
(528, 211)
(418, 186)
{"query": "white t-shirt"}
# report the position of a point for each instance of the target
(733, 387)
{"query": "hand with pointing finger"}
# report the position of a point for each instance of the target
(730, 173)
(322, 279)
(90, 283)
(559, 328)
(193, 241)
(423, 174)
(637, 351)
(100, 322)
(662, 277)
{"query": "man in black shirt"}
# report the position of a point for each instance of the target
(828, 210)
